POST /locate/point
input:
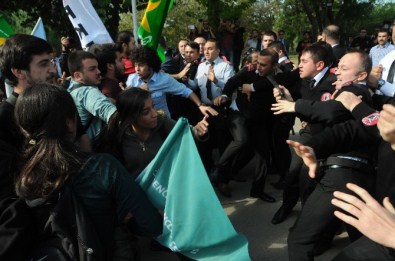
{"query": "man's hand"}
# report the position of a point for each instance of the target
(246, 89)
(144, 86)
(211, 74)
(218, 101)
(286, 94)
(201, 128)
(283, 106)
(307, 154)
(374, 76)
(367, 215)
(386, 124)
(207, 111)
(184, 71)
(349, 100)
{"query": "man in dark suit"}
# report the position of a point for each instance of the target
(250, 120)
(331, 35)
(315, 85)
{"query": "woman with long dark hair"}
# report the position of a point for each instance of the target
(137, 130)
(47, 117)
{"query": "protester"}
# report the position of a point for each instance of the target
(47, 117)
(94, 108)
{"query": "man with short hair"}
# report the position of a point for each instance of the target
(148, 76)
(110, 64)
(361, 42)
(382, 48)
(331, 35)
(93, 107)
(284, 63)
(201, 41)
(24, 60)
(316, 223)
(267, 38)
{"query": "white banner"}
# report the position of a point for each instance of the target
(86, 22)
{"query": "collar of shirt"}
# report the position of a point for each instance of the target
(334, 45)
(280, 60)
(216, 61)
(319, 76)
(153, 78)
(384, 47)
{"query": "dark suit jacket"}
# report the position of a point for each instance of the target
(259, 104)
(339, 51)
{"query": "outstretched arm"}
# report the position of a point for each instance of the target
(367, 215)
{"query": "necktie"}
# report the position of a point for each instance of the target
(208, 86)
(391, 73)
(311, 83)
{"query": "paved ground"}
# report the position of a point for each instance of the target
(252, 218)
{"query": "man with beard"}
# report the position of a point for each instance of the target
(111, 68)
(125, 41)
(93, 107)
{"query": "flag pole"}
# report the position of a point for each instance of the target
(135, 26)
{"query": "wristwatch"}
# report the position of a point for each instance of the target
(380, 84)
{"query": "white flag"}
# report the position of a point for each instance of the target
(86, 22)
(39, 30)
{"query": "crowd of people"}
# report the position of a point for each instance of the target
(96, 119)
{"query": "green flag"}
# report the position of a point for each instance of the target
(5, 30)
(195, 224)
(152, 24)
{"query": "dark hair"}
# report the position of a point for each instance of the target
(194, 46)
(277, 46)
(270, 33)
(18, 51)
(75, 59)
(105, 54)
(148, 56)
(50, 158)
(332, 31)
(213, 40)
(366, 63)
(130, 105)
(246, 55)
(269, 52)
(124, 37)
(320, 51)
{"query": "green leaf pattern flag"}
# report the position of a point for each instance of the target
(195, 224)
(152, 23)
(5, 30)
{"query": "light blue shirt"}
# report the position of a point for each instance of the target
(90, 102)
(160, 84)
(222, 70)
(377, 52)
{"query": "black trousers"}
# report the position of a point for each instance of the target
(365, 249)
(260, 138)
(317, 218)
(236, 123)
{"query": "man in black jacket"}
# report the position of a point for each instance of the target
(250, 120)
(316, 219)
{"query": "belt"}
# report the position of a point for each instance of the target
(356, 163)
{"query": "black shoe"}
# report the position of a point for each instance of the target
(281, 215)
(263, 196)
(224, 190)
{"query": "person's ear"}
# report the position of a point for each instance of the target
(78, 76)
(320, 65)
(362, 76)
(19, 74)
